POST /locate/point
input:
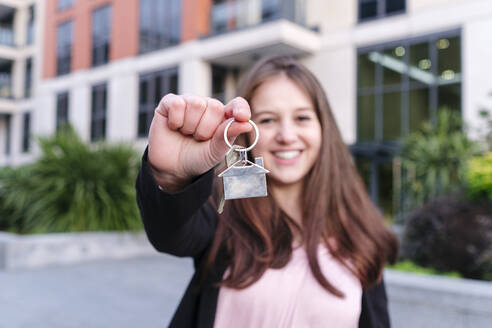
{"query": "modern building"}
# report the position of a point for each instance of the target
(386, 65)
(19, 76)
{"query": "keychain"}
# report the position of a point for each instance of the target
(244, 179)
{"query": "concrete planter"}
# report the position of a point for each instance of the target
(436, 301)
(34, 251)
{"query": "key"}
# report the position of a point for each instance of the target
(231, 157)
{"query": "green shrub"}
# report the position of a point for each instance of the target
(409, 266)
(479, 176)
(451, 234)
(13, 205)
(75, 187)
(435, 159)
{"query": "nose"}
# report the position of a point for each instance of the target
(286, 134)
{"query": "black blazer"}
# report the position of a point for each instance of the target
(184, 223)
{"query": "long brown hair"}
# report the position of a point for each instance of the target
(257, 235)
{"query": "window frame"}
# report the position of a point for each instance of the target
(405, 86)
(64, 4)
(101, 35)
(28, 77)
(146, 109)
(26, 131)
(99, 111)
(62, 113)
(159, 39)
(62, 67)
(30, 25)
(378, 151)
(380, 9)
(8, 134)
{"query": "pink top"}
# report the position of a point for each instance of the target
(292, 297)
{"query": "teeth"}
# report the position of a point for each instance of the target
(287, 154)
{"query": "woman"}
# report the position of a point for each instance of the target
(311, 254)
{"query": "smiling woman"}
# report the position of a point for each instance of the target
(289, 128)
(310, 254)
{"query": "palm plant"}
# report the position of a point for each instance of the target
(435, 159)
(75, 187)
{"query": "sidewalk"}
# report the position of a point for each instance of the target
(144, 292)
(139, 292)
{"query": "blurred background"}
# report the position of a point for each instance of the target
(410, 85)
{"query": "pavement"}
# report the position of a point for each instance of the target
(137, 292)
(144, 292)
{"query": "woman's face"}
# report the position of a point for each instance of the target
(290, 132)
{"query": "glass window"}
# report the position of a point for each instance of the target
(366, 118)
(220, 16)
(419, 111)
(101, 35)
(408, 91)
(173, 83)
(420, 64)
(8, 128)
(160, 24)
(449, 96)
(391, 115)
(64, 48)
(400, 86)
(30, 26)
(6, 79)
(28, 78)
(367, 69)
(219, 74)
(26, 133)
(449, 60)
(385, 190)
(158, 89)
(143, 92)
(364, 168)
(393, 6)
(61, 110)
(393, 64)
(65, 4)
(152, 87)
(98, 112)
(379, 8)
(270, 9)
(368, 9)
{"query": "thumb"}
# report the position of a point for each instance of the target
(218, 146)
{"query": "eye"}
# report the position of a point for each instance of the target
(303, 118)
(266, 120)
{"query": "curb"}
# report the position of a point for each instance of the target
(439, 301)
(19, 252)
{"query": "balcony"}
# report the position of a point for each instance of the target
(226, 16)
(242, 31)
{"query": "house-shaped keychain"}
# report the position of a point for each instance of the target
(245, 181)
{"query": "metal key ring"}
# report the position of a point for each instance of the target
(257, 135)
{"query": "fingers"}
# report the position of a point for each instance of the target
(201, 117)
(211, 119)
(195, 107)
(239, 109)
(173, 107)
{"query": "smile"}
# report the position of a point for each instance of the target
(291, 154)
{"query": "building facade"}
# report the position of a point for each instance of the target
(386, 65)
(19, 76)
